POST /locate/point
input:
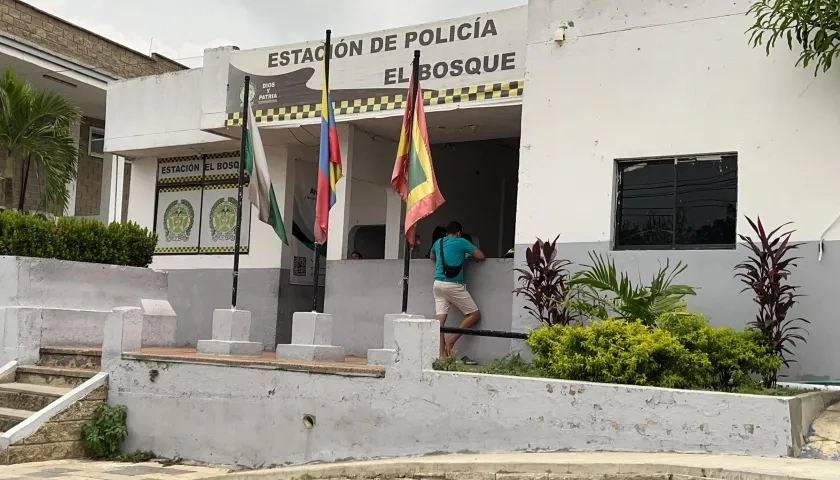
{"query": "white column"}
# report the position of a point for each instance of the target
(70, 210)
(113, 173)
(337, 240)
(284, 188)
(393, 225)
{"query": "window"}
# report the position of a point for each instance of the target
(96, 143)
(677, 202)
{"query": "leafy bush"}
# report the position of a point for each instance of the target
(623, 299)
(617, 351)
(766, 273)
(103, 434)
(74, 239)
(543, 282)
(734, 356)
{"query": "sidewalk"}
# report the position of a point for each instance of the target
(85, 470)
(561, 466)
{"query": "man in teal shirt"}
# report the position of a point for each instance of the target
(449, 254)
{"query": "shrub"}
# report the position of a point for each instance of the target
(766, 274)
(733, 356)
(79, 240)
(543, 282)
(617, 351)
(601, 292)
(103, 434)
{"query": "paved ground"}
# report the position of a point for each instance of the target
(83, 470)
(565, 466)
(823, 440)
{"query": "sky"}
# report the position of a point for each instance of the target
(182, 29)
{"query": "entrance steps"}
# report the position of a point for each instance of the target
(43, 392)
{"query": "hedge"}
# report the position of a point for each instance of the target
(76, 239)
(681, 351)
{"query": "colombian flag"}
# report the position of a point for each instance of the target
(414, 176)
(329, 164)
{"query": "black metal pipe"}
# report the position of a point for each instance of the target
(415, 86)
(484, 333)
(242, 152)
(317, 247)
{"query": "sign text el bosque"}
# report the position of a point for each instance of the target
(409, 40)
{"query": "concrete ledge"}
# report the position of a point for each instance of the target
(560, 466)
(31, 424)
(384, 357)
(803, 410)
(310, 353)
(223, 347)
(8, 371)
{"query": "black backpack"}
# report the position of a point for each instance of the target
(449, 271)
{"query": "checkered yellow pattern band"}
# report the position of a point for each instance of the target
(161, 250)
(242, 249)
(384, 103)
(187, 188)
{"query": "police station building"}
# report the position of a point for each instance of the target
(647, 131)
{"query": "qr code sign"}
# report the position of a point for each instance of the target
(299, 269)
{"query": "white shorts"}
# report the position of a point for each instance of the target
(449, 293)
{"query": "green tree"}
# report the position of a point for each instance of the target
(811, 24)
(35, 130)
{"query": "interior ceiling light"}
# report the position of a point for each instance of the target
(58, 80)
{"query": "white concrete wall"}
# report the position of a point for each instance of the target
(414, 411)
(156, 112)
(650, 78)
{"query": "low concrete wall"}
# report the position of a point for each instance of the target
(415, 411)
(359, 293)
(804, 409)
(48, 283)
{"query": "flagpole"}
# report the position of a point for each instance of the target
(242, 152)
(317, 262)
(415, 84)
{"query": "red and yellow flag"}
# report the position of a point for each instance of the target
(414, 175)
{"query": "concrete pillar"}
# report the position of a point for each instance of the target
(417, 345)
(311, 339)
(70, 210)
(231, 331)
(20, 335)
(394, 216)
(338, 239)
(123, 333)
(113, 174)
(387, 354)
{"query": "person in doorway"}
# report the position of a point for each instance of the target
(356, 256)
(449, 254)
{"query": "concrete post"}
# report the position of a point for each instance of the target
(417, 346)
(20, 335)
(70, 210)
(387, 354)
(123, 333)
(394, 239)
(159, 323)
(113, 173)
(340, 212)
(231, 331)
(311, 339)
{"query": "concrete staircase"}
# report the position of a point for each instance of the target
(34, 388)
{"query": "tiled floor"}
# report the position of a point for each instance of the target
(83, 470)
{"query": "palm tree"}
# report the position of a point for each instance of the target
(35, 128)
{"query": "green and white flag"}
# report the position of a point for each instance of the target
(260, 189)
